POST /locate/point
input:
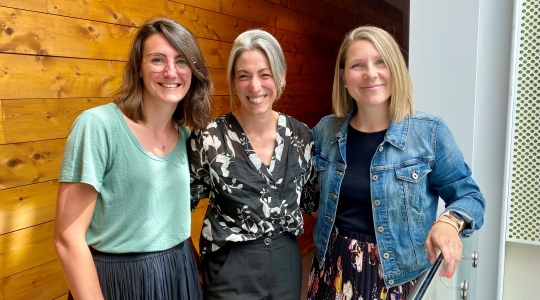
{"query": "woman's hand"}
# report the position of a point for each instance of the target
(444, 237)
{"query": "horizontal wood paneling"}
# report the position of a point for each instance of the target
(216, 53)
(23, 249)
(45, 281)
(212, 5)
(35, 5)
(308, 84)
(309, 65)
(122, 12)
(39, 119)
(304, 104)
(29, 32)
(51, 77)
(32, 162)
(33, 120)
(203, 23)
(61, 57)
(25, 206)
(63, 297)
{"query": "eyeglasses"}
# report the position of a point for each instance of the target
(157, 63)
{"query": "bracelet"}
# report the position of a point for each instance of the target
(447, 222)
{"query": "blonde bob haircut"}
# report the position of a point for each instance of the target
(401, 99)
(254, 39)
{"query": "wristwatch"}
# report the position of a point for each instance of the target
(456, 218)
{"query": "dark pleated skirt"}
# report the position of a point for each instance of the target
(352, 270)
(163, 275)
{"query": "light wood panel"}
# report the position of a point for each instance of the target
(2, 291)
(45, 281)
(212, 5)
(26, 248)
(51, 77)
(39, 119)
(2, 134)
(215, 53)
(35, 5)
(25, 206)
(29, 32)
(203, 23)
(64, 297)
(32, 162)
(124, 12)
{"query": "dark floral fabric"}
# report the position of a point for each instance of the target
(352, 271)
(248, 199)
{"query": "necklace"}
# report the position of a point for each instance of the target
(162, 143)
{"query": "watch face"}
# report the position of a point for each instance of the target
(456, 215)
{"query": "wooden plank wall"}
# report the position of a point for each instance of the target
(60, 57)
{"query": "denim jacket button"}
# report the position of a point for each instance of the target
(415, 175)
(390, 281)
(386, 255)
(377, 202)
(375, 177)
(380, 229)
(381, 148)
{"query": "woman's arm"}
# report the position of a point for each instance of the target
(452, 179)
(74, 209)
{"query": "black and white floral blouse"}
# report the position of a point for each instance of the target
(248, 199)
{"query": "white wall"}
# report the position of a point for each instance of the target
(459, 58)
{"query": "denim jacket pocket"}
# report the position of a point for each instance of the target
(413, 173)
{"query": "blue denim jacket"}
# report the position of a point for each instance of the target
(418, 162)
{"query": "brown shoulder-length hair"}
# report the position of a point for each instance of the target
(195, 109)
(401, 100)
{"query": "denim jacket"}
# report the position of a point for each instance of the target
(418, 162)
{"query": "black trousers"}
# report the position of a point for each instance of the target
(267, 268)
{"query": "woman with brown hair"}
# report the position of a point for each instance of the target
(123, 211)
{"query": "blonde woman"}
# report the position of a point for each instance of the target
(381, 169)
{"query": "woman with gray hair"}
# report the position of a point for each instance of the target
(123, 211)
(255, 165)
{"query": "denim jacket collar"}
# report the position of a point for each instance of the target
(395, 135)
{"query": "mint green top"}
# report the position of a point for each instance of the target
(143, 200)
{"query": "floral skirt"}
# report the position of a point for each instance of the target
(352, 270)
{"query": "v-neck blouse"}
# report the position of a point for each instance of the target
(249, 200)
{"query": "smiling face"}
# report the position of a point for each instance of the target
(168, 85)
(366, 76)
(254, 82)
